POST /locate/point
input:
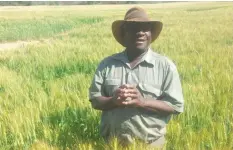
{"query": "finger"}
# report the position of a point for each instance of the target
(131, 86)
(128, 86)
(123, 90)
(118, 92)
(125, 95)
(120, 99)
(124, 86)
(132, 95)
(134, 91)
(125, 103)
(129, 103)
(128, 99)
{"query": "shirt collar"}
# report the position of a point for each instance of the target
(148, 57)
(123, 57)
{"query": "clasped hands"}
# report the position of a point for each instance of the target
(127, 95)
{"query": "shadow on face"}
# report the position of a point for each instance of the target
(137, 35)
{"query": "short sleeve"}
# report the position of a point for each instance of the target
(95, 89)
(172, 90)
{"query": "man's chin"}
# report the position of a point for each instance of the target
(141, 48)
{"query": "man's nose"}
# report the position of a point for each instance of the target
(139, 33)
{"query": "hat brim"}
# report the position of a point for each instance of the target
(117, 32)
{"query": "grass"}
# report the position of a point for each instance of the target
(44, 87)
(34, 29)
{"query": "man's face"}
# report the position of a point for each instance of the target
(137, 35)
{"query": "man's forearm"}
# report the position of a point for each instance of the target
(103, 103)
(157, 106)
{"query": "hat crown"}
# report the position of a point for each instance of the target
(136, 14)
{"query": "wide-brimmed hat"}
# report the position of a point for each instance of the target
(135, 14)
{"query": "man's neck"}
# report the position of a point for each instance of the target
(135, 54)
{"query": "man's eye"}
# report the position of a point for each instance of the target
(146, 29)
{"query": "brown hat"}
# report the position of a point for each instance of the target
(135, 14)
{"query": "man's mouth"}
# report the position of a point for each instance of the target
(140, 41)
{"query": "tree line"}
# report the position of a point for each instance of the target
(30, 3)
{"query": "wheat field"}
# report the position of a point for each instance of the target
(44, 85)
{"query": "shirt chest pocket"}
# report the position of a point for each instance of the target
(149, 90)
(110, 85)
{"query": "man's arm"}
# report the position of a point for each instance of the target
(103, 103)
(156, 106)
(108, 103)
(96, 95)
(119, 100)
(150, 104)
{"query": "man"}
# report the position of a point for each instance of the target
(137, 89)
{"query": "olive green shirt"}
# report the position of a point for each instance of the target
(155, 76)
